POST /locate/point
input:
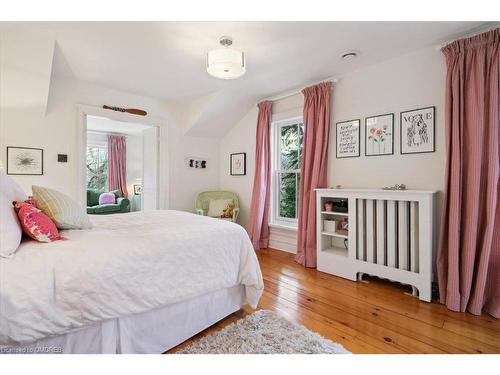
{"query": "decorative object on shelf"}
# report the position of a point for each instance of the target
(340, 205)
(395, 187)
(226, 63)
(132, 111)
(417, 131)
(379, 132)
(330, 226)
(348, 139)
(137, 189)
(62, 158)
(24, 161)
(329, 206)
(238, 164)
(195, 163)
(338, 186)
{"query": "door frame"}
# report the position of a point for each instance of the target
(162, 157)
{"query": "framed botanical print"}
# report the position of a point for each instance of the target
(24, 161)
(348, 138)
(417, 131)
(238, 164)
(379, 131)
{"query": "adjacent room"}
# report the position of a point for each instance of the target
(250, 187)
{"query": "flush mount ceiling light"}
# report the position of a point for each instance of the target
(226, 63)
(349, 55)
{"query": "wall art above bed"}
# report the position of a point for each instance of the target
(195, 162)
(24, 161)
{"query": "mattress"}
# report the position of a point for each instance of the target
(127, 264)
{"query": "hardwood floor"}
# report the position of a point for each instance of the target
(373, 317)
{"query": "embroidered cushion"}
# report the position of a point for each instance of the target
(35, 223)
(216, 207)
(107, 198)
(61, 209)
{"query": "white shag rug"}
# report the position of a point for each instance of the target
(264, 332)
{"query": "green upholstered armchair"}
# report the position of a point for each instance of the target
(122, 205)
(203, 202)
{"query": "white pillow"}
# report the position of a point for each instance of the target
(216, 206)
(10, 229)
(11, 190)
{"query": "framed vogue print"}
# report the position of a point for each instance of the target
(348, 138)
(417, 131)
(379, 131)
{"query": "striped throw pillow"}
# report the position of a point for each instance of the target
(64, 211)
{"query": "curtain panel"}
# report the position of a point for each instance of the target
(468, 259)
(258, 226)
(313, 169)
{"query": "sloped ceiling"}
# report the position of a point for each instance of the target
(166, 60)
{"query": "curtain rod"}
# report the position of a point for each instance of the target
(296, 91)
(479, 31)
(107, 133)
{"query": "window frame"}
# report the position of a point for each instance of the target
(276, 171)
(100, 146)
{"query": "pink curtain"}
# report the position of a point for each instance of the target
(117, 163)
(469, 249)
(314, 167)
(258, 227)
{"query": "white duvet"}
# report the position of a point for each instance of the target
(126, 264)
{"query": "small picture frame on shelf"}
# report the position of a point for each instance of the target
(379, 135)
(417, 131)
(348, 139)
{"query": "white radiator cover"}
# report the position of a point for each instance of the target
(391, 235)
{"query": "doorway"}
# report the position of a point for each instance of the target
(121, 160)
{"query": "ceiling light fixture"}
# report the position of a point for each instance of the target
(226, 63)
(349, 55)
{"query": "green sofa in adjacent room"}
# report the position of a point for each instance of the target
(122, 205)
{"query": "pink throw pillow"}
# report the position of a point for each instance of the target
(107, 198)
(35, 223)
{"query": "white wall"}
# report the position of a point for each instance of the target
(56, 132)
(411, 81)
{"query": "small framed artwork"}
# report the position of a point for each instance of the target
(24, 161)
(137, 189)
(379, 139)
(417, 131)
(195, 162)
(348, 139)
(238, 164)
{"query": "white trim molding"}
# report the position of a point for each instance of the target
(283, 238)
(163, 158)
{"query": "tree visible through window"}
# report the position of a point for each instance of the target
(288, 150)
(97, 168)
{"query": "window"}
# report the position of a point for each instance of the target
(97, 168)
(286, 151)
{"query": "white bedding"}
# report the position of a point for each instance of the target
(126, 264)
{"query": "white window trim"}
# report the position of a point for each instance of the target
(275, 219)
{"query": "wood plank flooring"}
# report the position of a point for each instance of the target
(373, 317)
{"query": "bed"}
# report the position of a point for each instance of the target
(141, 282)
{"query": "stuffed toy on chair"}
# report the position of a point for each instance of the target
(227, 213)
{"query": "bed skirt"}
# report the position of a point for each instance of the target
(153, 331)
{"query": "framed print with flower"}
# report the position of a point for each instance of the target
(379, 132)
(348, 139)
(417, 131)
(24, 161)
(238, 164)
